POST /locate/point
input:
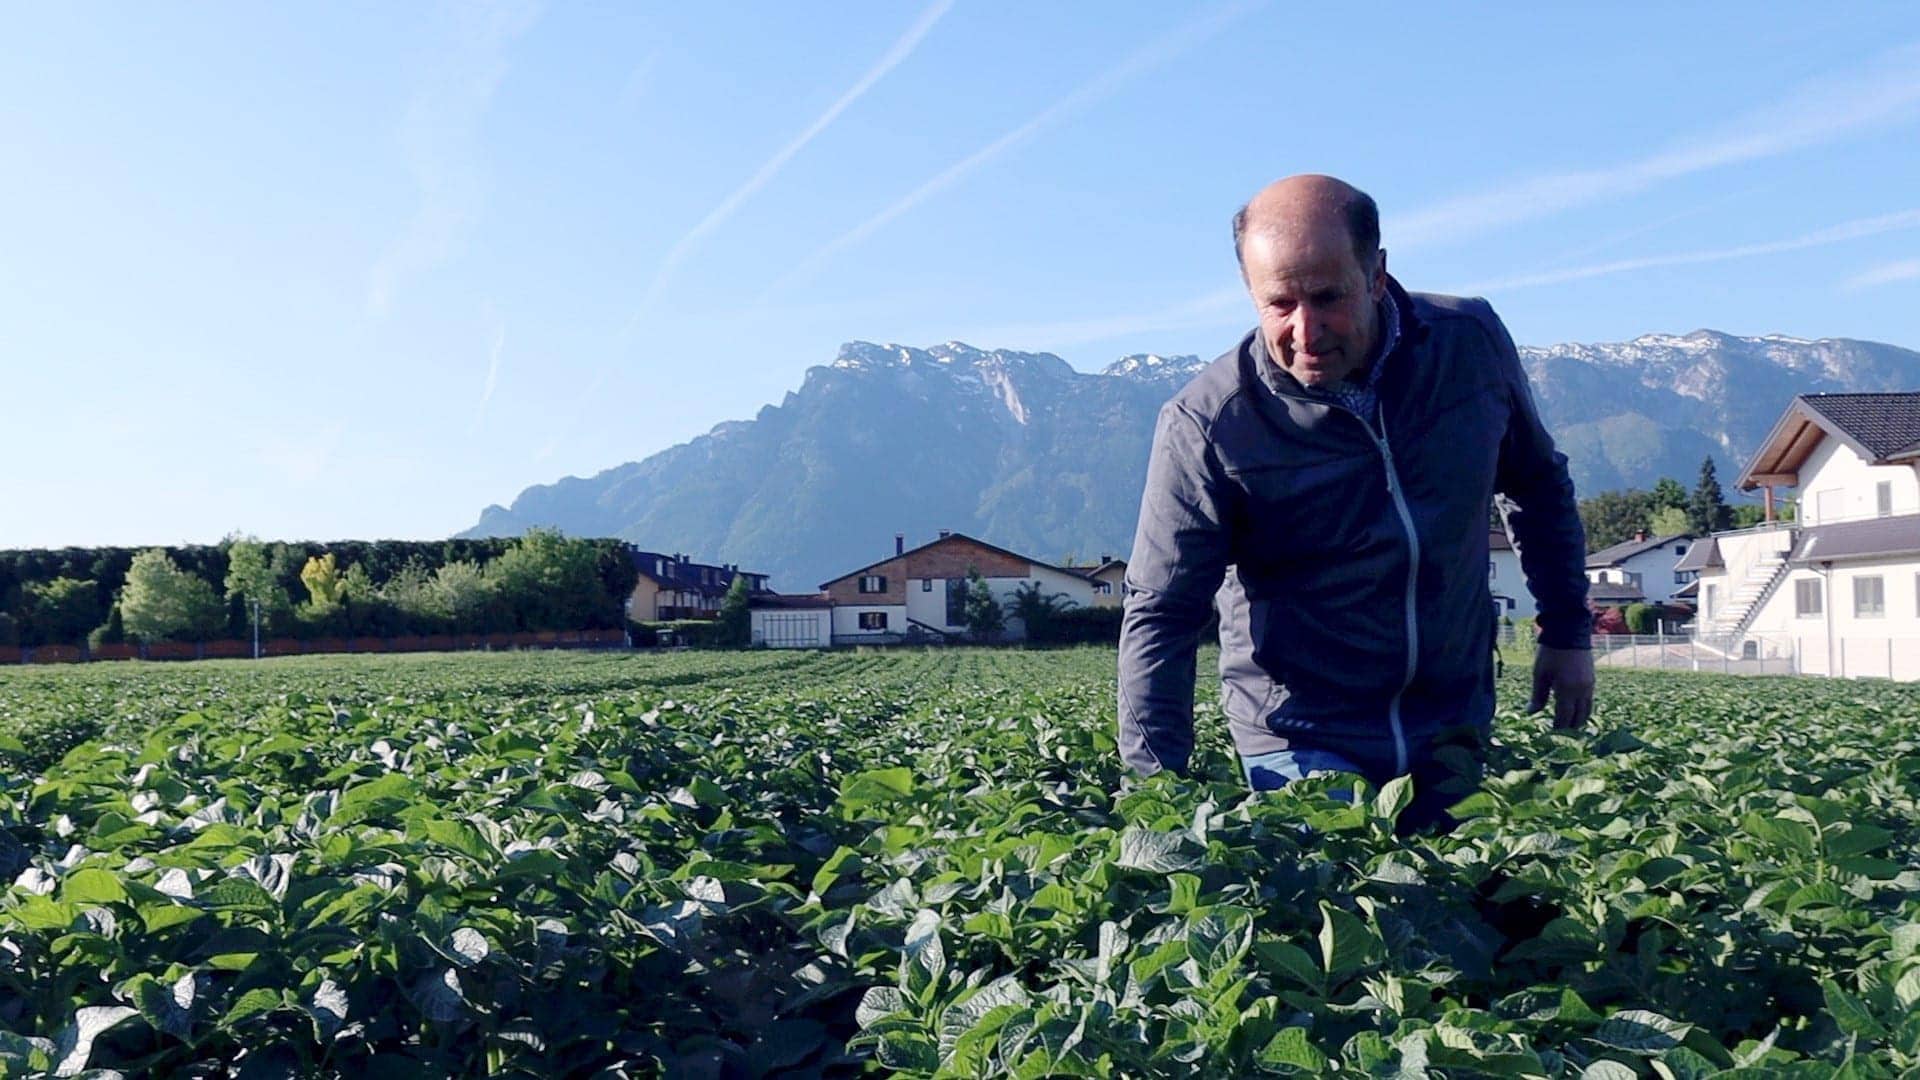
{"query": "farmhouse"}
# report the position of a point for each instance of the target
(675, 587)
(1837, 591)
(922, 591)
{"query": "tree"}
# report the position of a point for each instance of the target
(61, 611)
(321, 576)
(253, 579)
(162, 602)
(983, 616)
(1669, 495)
(1036, 609)
(550, 582)
(1639, 618)
(1613, 516)
(1670, 521)
(1708, 510)
(460, 595)
(735, 629)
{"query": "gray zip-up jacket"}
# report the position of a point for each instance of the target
(1348, 554)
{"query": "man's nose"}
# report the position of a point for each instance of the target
(1309, 329)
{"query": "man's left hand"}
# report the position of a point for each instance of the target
(1568, 675)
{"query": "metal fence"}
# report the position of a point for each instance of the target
(1849, 657)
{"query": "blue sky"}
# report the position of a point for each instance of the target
(357, 270)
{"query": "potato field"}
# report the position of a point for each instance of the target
(928, 863)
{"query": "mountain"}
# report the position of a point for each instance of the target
(1022, 450)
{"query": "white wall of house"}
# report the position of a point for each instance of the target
(1508, 583)
(1837, 484)
(792, 628)
(927, 598)
(1845, 635)
(846, 620)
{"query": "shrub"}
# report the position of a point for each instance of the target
(1640, 618)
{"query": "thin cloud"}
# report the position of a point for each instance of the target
(493, 376)
(895, 55)
(440, 141)
(1885, 274)
(1850, 230)
(1883, 92)
(1083, 97)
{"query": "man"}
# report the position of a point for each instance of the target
(1329, 479)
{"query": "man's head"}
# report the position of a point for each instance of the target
(1309, 249)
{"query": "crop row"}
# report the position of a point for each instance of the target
(787, 865)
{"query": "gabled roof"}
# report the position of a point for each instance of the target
(685, 574)
(1881, 428)
(1627, 549)
(1704, 555)
(1497, 540)
(946, 539)
(1870, 539)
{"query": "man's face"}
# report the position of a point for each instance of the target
(1315, 301)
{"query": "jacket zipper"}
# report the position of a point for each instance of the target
(1413, 577)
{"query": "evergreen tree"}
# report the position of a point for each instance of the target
(1707, 511)
(736, 621)
(1668, 494)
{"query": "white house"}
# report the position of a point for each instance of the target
(1511, 598)
(1643, 569)
(1839, 590)
(923, 590)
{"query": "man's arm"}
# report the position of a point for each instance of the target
(1553, 544)
(1179, 558)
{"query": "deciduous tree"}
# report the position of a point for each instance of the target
(162, 602)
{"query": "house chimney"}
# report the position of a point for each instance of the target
(1639, 534)
(899, 543)
(1105, 559)
(944, 533)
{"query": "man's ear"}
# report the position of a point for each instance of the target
(1379, 282)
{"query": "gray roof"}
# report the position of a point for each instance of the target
(1872, 538)
(1627, 549)
(1608, 592)
(1701, 556)
(1884, 424)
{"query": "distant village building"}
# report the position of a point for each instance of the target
(1108, 577)
(675, 587)
(1645, 569)
(921, 592)
(1511, 598)
(1838, 591)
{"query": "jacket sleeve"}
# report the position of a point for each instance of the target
(1546, 522)
(1179, 559)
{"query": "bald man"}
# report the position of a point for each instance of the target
(1325, 485)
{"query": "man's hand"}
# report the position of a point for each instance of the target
(1568, 675)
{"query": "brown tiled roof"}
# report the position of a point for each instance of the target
(944, 539)
(1497, 541)
(1872, 538)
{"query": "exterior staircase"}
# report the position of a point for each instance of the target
(1749, 596)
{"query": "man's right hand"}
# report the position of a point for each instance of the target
(1567, 674)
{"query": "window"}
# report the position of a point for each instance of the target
(873, 620)
(1679, 549)
(871, 583)
(1806, 597)
(1883, 498)
(1103, 588)
(926, 584)
(1869, 597)
(1681, 577)
(1508, 600)
(1493, 569)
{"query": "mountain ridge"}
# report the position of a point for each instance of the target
(1024, 450)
